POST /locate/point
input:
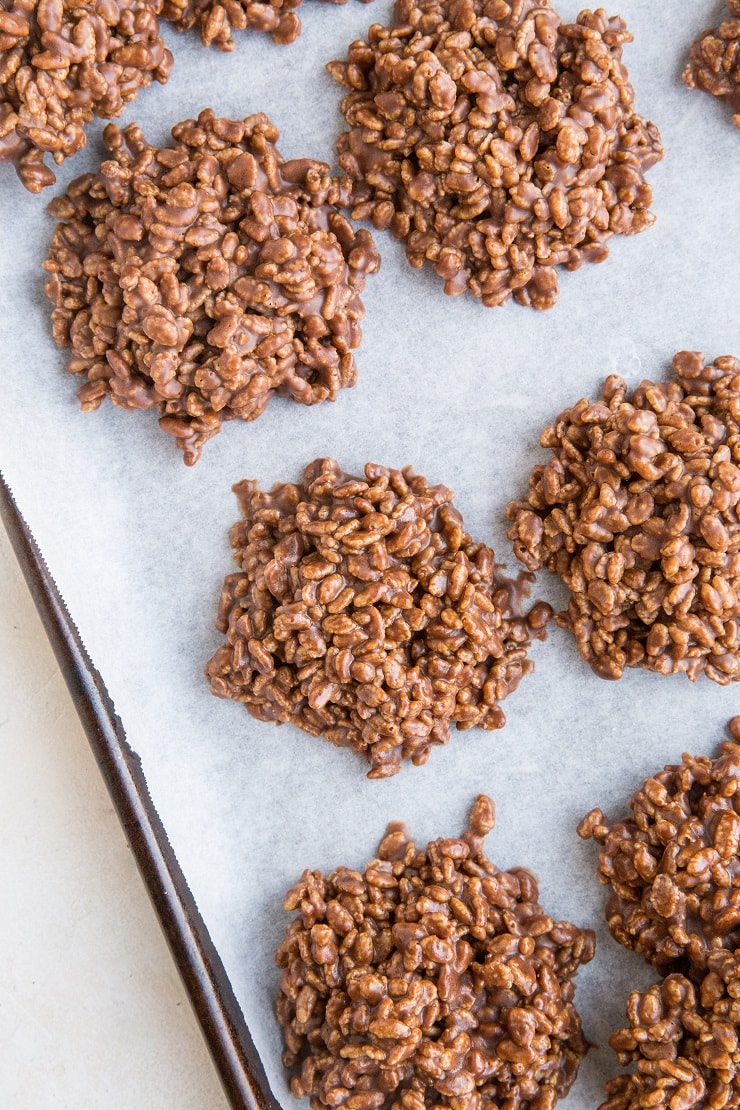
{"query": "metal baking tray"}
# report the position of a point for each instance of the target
(459, 392)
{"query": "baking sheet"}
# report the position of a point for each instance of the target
(138, 542)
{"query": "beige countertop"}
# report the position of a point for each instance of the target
(92, 1013)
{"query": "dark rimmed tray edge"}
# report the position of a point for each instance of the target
(218, 1012)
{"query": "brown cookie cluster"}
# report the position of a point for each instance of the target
(496, 141)
(673, 869)
(216, 19)
(673, 865)
(637, 512)
(684, 1041)
(203, 278)
(63, 62)
(430, 979)
(714, 61)
(362, 611)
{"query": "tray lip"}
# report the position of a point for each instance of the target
(204, 977)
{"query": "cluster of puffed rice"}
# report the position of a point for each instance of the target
(216, 19)
(637, 512)
(496, 141)
(203, 278)
(684, 1038)
(430, 979)
(362, 611)
(714, 61)
(673, 869)
(61, 63)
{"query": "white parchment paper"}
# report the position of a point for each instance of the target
(138, 543)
